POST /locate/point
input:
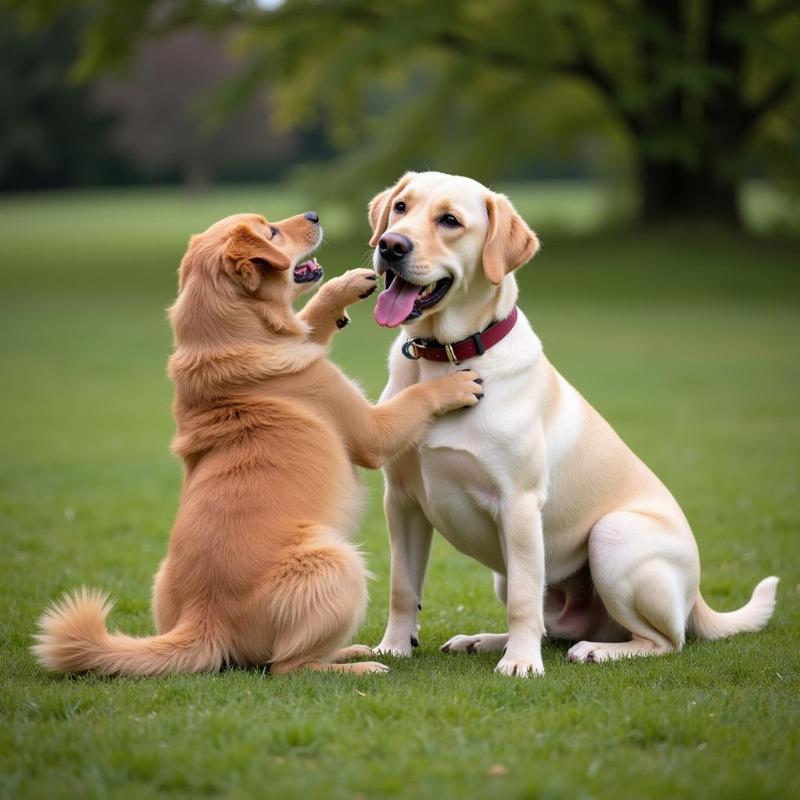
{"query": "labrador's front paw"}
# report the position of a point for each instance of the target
(479, 643)
(521, 667)
(395, 646)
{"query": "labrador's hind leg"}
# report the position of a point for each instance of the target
(645, 580)
(481, 642)
(594, 652)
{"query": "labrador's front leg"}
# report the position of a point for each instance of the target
(325, 312)
(523, 548)
(410, 536)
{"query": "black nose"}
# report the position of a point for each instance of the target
(312, 216)
(394, 246)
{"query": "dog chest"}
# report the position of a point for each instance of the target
(463, 503)
(474, 462)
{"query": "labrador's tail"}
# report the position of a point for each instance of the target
(706, 623)
(73, 637)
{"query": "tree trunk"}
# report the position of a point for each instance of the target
(706, 188)
(671, 190)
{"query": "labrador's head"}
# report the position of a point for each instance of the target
(438, 237)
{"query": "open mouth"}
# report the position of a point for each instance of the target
(402, 301)
(308, 272)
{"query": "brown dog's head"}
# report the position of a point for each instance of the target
(248, 255)
(440, 237)
(246, 268)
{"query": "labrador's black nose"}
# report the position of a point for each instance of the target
(394, 246)
(312, 216)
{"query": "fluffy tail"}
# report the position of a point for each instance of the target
(73, 638)
(706, 623)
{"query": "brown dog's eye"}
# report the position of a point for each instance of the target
(273, 231)
(400, 207)
(449, 221)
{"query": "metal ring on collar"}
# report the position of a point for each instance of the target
(409, 350)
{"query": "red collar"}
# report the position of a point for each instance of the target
(455, 353)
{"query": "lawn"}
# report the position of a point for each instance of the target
(686, 339)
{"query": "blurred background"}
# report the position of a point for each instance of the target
(655, 148)
(654, 109)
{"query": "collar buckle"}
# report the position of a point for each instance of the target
(451, 355)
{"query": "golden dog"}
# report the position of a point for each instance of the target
(260, 568)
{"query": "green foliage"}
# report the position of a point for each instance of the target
(684, 338)
(700, 89)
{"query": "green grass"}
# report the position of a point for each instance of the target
(685, 339)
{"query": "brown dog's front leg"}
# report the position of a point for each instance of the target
(325, 313)
(396, 424)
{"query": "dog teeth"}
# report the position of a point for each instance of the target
(427, 290)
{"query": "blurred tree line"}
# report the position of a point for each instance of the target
(687, 97)
(146, 123)
(50, 135)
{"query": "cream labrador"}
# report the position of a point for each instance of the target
(585, 542)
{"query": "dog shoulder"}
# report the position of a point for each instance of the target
(403, 371)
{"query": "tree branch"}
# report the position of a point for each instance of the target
(584, 66)
(779, 9)
(450, 40)
(776, 94)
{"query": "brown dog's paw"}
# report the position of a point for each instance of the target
(353, 651)
(368, 668)
(354, 285)
(459, 390)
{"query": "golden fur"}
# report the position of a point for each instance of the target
(261, 568)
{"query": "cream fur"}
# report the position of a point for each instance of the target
(586, 543)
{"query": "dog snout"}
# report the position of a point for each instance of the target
(312, 217)
(394, 246)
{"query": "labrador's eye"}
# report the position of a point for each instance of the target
(273, 231)
(400, 207)
(449, 221)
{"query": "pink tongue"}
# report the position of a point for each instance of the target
(396, 303)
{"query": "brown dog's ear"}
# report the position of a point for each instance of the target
(509, 240)
(381, 206)
(247, 252)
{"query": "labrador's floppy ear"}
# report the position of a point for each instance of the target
(509, 240)
(381, 206)
(247, 252)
